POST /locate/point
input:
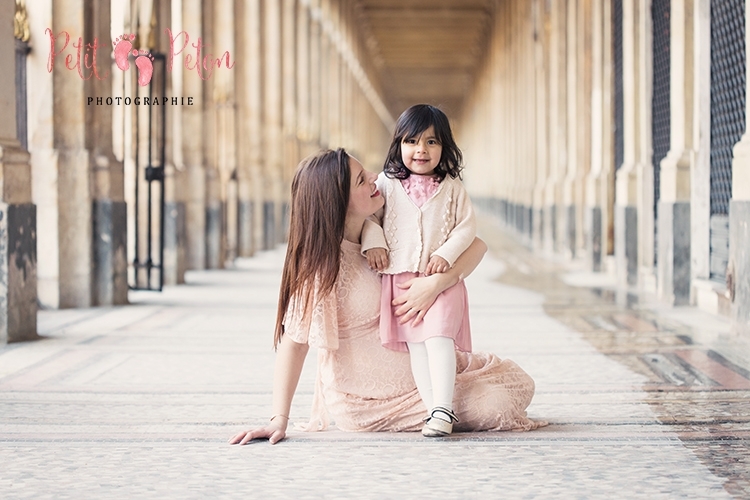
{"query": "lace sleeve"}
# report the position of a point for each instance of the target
(319, 327)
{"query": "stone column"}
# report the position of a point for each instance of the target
(599, 196)
(324, 75)
(583, 113)
(44, 156)
(192, 119)
(606, 179)
(506, 73)
(250, 148)
(176, 176)
(483, 179)
(495, 190)
(333, 88)
(527, 117)
(348, 118)
(272, 123)
(703, 292)
(738, 268)
(568, 237)
(73, 167)
(316, 63)
(214, 151)
(541, 52)
(673, 257)
(514, 115)
(303, 87)
(554, 201)
(289, 106)
(223, 97)
(109, 280)
(644, 151)
(626, 187)
(18, 302)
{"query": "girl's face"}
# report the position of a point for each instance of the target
(364, 197)
(421, 154)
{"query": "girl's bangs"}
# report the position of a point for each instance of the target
(417, 125)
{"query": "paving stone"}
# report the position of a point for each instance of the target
(139, 401)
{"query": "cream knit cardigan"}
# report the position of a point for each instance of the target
(444, 225)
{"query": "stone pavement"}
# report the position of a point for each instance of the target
(643, 401)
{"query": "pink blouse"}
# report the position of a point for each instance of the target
(420, 188)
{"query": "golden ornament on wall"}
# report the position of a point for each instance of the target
(21, 22)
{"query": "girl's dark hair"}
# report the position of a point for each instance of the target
(413, 122)
(320, 198)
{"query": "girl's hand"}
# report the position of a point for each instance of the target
(419, 296)
(421, 292)
(436, 265)
(273, 432)
(377, 258)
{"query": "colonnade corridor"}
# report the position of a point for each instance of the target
(145, 208)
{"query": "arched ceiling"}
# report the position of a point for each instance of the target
(426, 50)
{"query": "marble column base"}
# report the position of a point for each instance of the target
(673, 252)
(595, 238)
(18, 298)
(528, 222)
(553, 227)
(285, 212)
(626, 244)
(213, 235)
(269, 225)
(738, 272)
(175, 238)
(109, 280)
(245, 216)
(537, 231)
(570, 230)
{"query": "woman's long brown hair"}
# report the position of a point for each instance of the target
(320, 198)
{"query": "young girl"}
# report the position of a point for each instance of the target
(427, 222)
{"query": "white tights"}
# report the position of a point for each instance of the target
(433, 364)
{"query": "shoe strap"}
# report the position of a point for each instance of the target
(441, 409)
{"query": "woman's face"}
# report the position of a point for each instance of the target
(364, 197)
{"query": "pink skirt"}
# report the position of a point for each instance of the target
(448, 316)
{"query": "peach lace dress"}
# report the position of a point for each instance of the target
(362, 386)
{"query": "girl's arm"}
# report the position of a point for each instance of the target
(465, 229)
(290, 357)
(422, 292)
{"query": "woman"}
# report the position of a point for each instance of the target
(330, 299)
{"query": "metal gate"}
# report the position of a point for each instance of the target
(147, 265)
(660, 106)
(619, 103)
(21, 36)
(727, 119)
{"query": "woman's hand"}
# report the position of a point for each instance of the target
(419, 296)
(273, 432)
(421, 292)
(290, 357)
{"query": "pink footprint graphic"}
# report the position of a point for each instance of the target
(122, 49)
(145, 66)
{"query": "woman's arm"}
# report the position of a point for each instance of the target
(290, 357)
(422, 292)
